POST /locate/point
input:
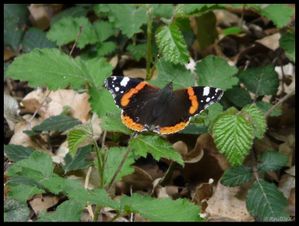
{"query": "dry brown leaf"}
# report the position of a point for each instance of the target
(135, 73)
(224, 205)
(180, 147)
(61, 152)
(42, 203)
(8, 53)
(114, 61)
(203, 192)
(271, 41)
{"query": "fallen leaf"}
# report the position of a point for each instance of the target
(270, 41)
(8, 53)
(42, 203)
(135, 73)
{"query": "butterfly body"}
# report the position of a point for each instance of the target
(164, 111)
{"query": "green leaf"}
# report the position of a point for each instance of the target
(266, 203)
(190, 9)
(280, 14)
(162, 10)
(103, 30)
(44, 67)
(172, 45)
(36, 38)
(23, 192)
(76, 11)
(69, 210)
(105, 48)
(178, 74)
(59, 123)
(236, 176)
(287, 42)
(156, 146)
(66, 30)
(264, 106)
(233, 136)
(55, 184)
(232, 31)
(128, 18)
(112, 122)
(79, 135)
(257, 118)
(272, 160)
(213, 112)
(114, 158)
(15, 211)
(17, 152)
(165, 209)
(260, 80)
(102, 102)
(137, 51)
(238, 96)
(215, 72)
(79, 161)
(194, 128)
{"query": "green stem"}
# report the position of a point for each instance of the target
(149, 56)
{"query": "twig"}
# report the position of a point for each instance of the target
(89, 208)
(75, 43)
(168, 174)
(279, 103)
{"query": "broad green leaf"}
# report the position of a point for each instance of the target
(36, 38)
(15, 211)
(114, 158)
(45, 67)
(112, 123)
(98, 69)
(156, 146)
(103, 30)
(101, 197)
(232, 30)
(190, 9)
(233, 136)
(215, 72)
(238, 96)
(264, 106)
(213, 112)
(23, 192)
(280, 14)
(59, 123)
(67, 30)
(257, 119)
(163, 10)
(105, 48)
(55, 184)
(128, 18)
(69, 210)
(164, 209)
(172, 45)
(265, 202)
(137, 51)
(287, 42)
(75, 11)
(178, 74)
(79, 135)
(236, 176)
(101, 102)
(272, 160)
(79, 161)
(194, 128)
(260, 80)
(17, 152)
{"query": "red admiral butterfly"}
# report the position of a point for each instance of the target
(164, 111)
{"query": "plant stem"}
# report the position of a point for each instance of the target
(77, 38)
(168, 174)
(149, 56)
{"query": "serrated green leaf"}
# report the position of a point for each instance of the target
(128, 18)
(23, 192)
(272, 160)
(236, 176)
(213, 112)
(103, 30)
(112, 122)
(156, 146)
(238, 96)
(190, 9)
(137, 51)
(55, 184)
(260, 80)
(257, 118)
(165, 209)
(79, 135)
(17, 152)
(69, 210)
(66, 30)
(287, 42)
(44, 67)
(162, 10)
(233, 136)
(15, 211)
(36, 38)
(59, 123)
(264, 106)
(114, 158)
(172, 45)
(266, 202)
(178, 74)
(105, 48)
(216, 72)
(76, 11)
(280, 14)
(79, 161)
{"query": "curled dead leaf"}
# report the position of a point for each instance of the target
(41, 203)
(135, 73)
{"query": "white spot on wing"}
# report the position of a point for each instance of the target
(206, 91)
(116, 89)
(208, 99)
(125, 81)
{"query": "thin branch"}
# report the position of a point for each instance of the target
(77, 38)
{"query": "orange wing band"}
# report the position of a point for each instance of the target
(131, 124)
(173, 129)
(194, 102)
(126, 97)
